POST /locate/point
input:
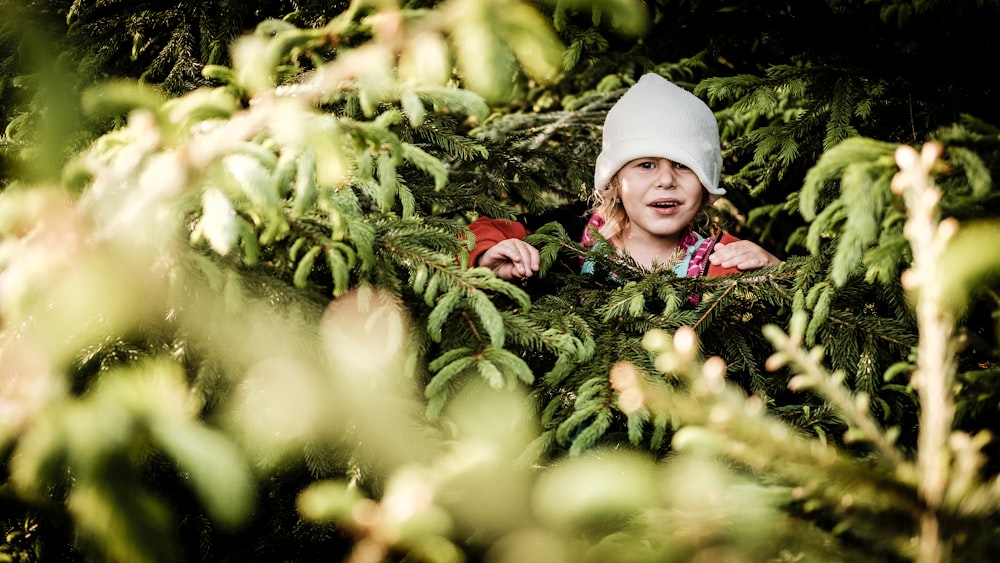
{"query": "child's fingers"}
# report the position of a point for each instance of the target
(512, 258)
(743, 255)
(525, 257)
(531, 256)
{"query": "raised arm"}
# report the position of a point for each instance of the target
(499, 247)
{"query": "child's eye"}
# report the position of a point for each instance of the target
(647, 164)
(680, 166)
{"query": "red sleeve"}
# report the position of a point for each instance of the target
(714, 270)
(491, 231)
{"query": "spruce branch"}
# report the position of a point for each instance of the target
(811, 374)
(935, 371)
(716, 416)
(709, 310)
(562, 119)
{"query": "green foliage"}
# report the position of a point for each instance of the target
(868, 324)
(256, 280)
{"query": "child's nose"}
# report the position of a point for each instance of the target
(666, 176)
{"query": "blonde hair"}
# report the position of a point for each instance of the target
(607, 204)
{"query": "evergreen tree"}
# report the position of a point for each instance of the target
(244, 326)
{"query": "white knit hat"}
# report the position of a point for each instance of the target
(657, 118)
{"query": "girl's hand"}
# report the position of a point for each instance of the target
(511, 258)
(742, 254)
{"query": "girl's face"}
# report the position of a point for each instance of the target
(660, 197)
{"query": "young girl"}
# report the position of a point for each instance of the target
(657, 173)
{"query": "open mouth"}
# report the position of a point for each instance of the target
(664, 204)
